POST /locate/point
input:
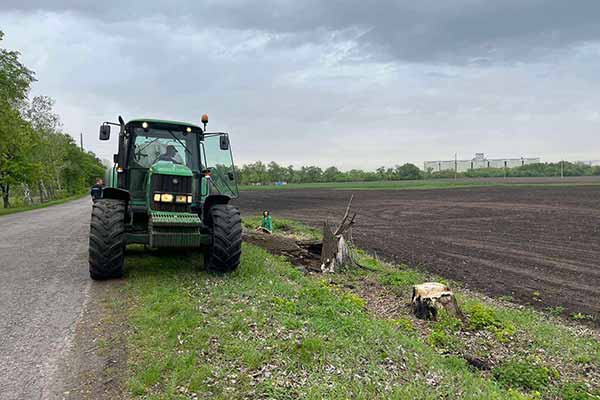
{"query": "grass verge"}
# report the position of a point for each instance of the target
(7, 211)
(420, 184)
(269, 331)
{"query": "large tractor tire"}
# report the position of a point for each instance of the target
(225, 249)
(107, 239)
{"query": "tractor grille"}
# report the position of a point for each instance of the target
(172, 207)
(174, 185)
(166, 184)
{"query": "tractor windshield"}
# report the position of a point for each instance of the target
(154, 145)
(219, 161)
(151, 145)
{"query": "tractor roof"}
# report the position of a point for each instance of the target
(162, 121)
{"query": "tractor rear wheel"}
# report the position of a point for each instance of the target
(107, 239)
(225, 249)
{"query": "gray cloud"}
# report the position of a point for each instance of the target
(346, 83)
(418, 31)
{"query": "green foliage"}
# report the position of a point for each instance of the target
(443, 340)
(483, 317)
(401, 278)
(35, 155)
(259, 173)
(524, 374)
(404, 324)
(578, 391)
(556, 311)
(581, 317)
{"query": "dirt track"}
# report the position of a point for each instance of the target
(539, 245)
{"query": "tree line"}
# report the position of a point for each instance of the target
(38, 160)
(261, 173)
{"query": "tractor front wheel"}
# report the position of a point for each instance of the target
(107, 239)
(225, 249)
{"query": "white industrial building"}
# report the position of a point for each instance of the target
(479, 161)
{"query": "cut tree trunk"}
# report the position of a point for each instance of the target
(429, 297)
(336, 252)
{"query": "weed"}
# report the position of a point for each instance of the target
(354, 300)
(523, 374)
(581, 317)
(442, 340)
(578, 391)
(404, 324)
(506, 297)
(556, 311)
(448, 322)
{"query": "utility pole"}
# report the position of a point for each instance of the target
(81, 140)
(562, 169)
(455, 165)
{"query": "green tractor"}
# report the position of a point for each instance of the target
(170, 187)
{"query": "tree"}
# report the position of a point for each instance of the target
(408, 172)
(275, 172)
(15, 141)
(33, 150)
(331, 174)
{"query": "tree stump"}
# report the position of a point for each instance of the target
(335, 253)
(428, 297)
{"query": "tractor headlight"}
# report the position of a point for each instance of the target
(157, 197)
(180, 198)
(189, 199)
(166, 198)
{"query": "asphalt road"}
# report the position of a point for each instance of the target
(44, 283)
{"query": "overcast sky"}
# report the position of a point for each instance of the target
(353, 84)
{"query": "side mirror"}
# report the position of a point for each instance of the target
(104, 132)
(224, 142)
(116, 158)
(230, 176)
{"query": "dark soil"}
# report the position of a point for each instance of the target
(539, 245)
(301, 253)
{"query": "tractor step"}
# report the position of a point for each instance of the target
(175, 230)
(162, 218)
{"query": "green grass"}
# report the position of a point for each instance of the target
(11, 210)
(415, 184)
(269, 331)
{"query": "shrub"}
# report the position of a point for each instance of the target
(482, 317)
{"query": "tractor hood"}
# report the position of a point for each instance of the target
(170, 168)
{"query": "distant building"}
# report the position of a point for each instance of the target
(479, 161)
(591, 163)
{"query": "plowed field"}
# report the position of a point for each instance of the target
(540, 245)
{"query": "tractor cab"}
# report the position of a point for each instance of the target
(174, 181)
(152, 150)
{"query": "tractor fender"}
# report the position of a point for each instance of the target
(211, 200)
(115, 193)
